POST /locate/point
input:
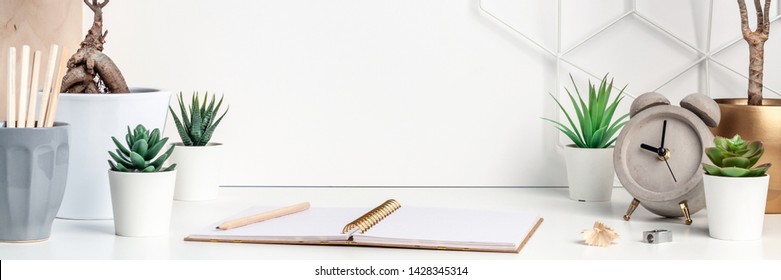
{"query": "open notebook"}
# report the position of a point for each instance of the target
(388, 225)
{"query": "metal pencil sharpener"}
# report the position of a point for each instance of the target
(657, 236)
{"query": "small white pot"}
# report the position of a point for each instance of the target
(589, 173)
(142, 202)
(736, 206)
(199, 170)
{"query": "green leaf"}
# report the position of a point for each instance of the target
(120, 161)
(602, 98)
(572, 124)
(734, 172)
(155, 149)
(208, 112)
(170, 168)
(161, 159)
(203, 105)
(120, 146)
(720, 142)
(740, 162)
(585, 122)
(217, 109)
(118, 167)
(125, 157)
(196, 130)
(715, 155)
(208, 135)
(711, 170)
(759, 170)
(598, 138)
(611, 132)
(112, 166)
(140, 147)
(154, 137)
(182, 132)
(185, 117)
(137, 160)
(569, 133)
(129, 138)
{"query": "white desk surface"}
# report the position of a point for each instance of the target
(557, 238)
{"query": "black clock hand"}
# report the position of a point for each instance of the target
(671, 170)
(664, 131)
(650, 148)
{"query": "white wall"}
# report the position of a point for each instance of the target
(411, 92)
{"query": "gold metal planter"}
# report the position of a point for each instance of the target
(757, 123)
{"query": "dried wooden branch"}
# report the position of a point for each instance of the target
(756, 44)
(89, 68)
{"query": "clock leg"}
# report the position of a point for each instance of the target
(685, 209)
(632, 208)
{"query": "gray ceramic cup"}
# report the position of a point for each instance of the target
(33, 169)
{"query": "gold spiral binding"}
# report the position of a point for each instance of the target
(373, 217)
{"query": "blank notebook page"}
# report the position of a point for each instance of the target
(308, 225)
(453, 227)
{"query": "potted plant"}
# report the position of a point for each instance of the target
(590, 159)
(99, 104)
(199, 160)
(735, 189)
(142, 189)
(756, 117)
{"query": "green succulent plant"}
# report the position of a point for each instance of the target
(140, 155)
(596, 128)
(196, 127)
(735, 158)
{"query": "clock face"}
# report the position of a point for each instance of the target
(660, 153)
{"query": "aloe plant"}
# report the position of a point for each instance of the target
(596, 128)
(735, 158)
(140, 154)
(197, 126)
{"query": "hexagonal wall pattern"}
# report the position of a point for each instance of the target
(655, 45)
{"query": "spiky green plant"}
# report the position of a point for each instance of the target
(596, 128)
(735, 158)
(139, 155)
(196, 126)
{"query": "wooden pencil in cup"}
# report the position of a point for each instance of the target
(47, 85)
(10, 120)
(24, 84)
(55, 94)
(32, 103)
(240, 222)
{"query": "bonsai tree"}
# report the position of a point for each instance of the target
(200, 122)
(596, 128)
(756, 46)
(140, 155)
(89, 69)
(735, 158)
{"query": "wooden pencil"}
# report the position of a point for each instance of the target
(10, 120)
(240, 222)
(32, 103)
(55, 94)
(47, 85)
(24, 83)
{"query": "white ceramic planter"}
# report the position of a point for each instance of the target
(736, 206)
(589, 173)
(94, 118)
(142, 202)
(199, 171)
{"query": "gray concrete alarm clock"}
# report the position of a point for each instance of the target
(659, 152)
